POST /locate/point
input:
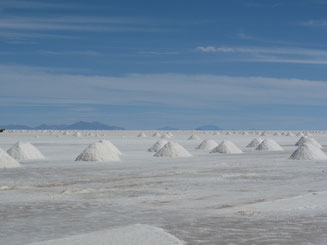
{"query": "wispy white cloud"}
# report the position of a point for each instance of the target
(262, 50)
(71, 52)
(315, 23)
(30, 4)
(69, 27)
(20, 84)
(91, 24)
(264, 54)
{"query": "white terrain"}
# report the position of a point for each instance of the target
(257, 197)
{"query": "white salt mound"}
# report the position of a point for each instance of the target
(25, 151)
(156, 135)
(301, 141)
(194, 137)
(269, 145)
(77, 134)
(158, 145)
(141, 135)
(128, 235)
(254, 143)
(308, 140)
(99, 152)
(111, 146)
(207, 145)
(7, 161)
(227, 147)
(308, 152)
(172, 149)
(165, 136)
(170, 134)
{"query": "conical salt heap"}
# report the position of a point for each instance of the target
(25, 151)
(254, 143)
(99, 152)
(7, 161)
(141, 135)
(170, 134)
(301, 141)
(269, 145)
(156, 135)
(227, 147)
(111, 146)
(207, 145)
(308, 152)
(194, 137)
(264, 133)
(308, 140)
(158, 145)
(172, 149)
(66, 133)
(77, 134)
(165, 136)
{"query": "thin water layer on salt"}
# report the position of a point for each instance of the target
(252, 198)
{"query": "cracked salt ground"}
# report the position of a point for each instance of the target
(250, 198)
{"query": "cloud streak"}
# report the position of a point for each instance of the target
(315, 23)
(22, 84)
(263, 54)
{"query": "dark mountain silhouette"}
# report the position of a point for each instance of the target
(167, 128)
(75, 126)
(208, 127)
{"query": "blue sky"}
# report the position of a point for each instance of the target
(237, 64)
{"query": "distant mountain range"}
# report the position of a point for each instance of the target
(75, 126)
(167, 128)
(208, 127)
(91, 126)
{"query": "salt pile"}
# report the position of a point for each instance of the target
(158, 145)
(100, 151)
(66, 133)
(129, 235)
(170, 134)
(25, 151)
(308, 152)
(141, 135)
(165, 136)
(7, 161)
(264, 134)
(172, 149)
(304, 140)
(207, 145)
(194, 137)
(111, 146)
(301, 141)
(269, 145)
(77, 134)
(156, 135)
(227, 147)
(254, 143)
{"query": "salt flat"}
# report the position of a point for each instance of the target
(251, 198)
